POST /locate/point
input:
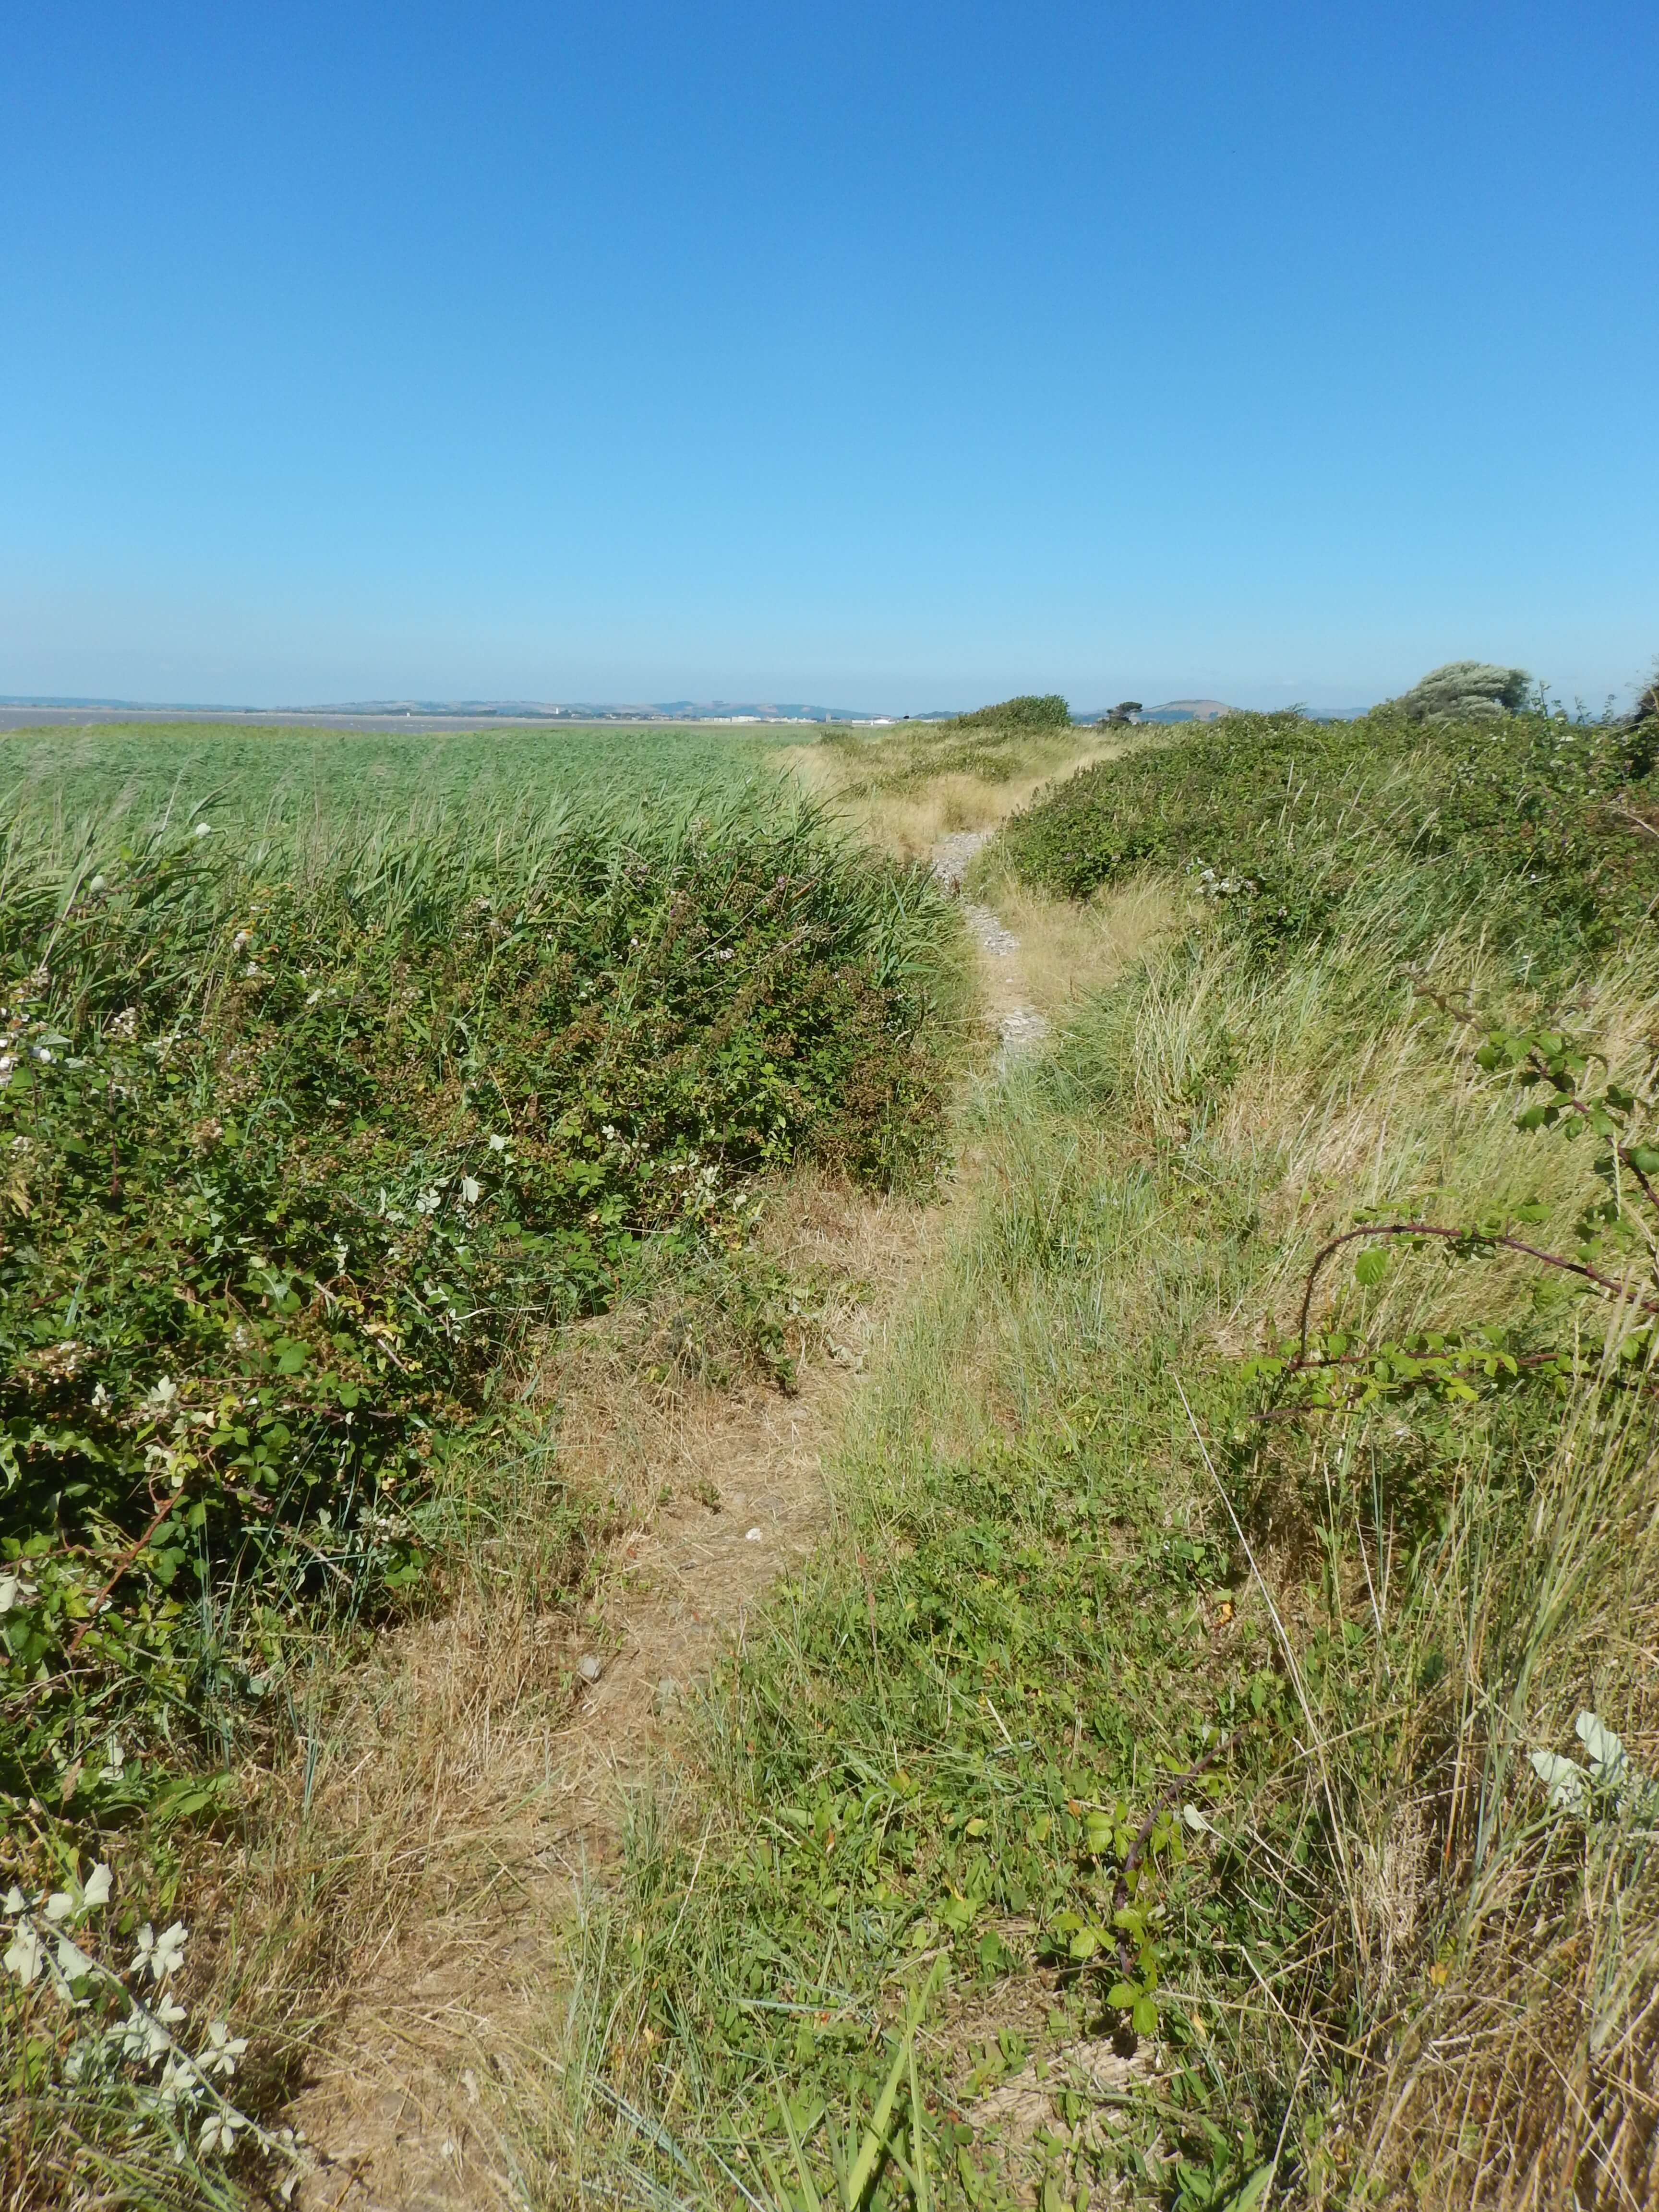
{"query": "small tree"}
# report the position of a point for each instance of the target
(1465, 691)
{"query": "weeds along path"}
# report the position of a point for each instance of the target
(492, 1760)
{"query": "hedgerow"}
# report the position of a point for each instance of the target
(293, 1160)
(1542, 827)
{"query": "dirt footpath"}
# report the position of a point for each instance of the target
(513, 1793)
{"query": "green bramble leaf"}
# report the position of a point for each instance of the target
(1371, 1266)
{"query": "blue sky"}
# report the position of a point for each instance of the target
(884, 355)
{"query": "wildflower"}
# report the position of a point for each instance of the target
(23, 1953)
(140, 2039)
(14, 1590)
(177, 2084)
(60, 1905)
(97, 1890)
(224, 2049)
(161, 1953)
(160, 1397)
(498, 1143)
(471, 1189)
(111, 1770)
(204, 830)
(72, 1961)
(607, 1134)
(16, 1901)
(219, 2132)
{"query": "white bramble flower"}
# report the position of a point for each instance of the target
(498, 1143)
(72, 1960)
(140, 2039)
(23, 1953)
(471, 1189)
(164, 1954)
(99, 1883)
(219, 2132)
(224, 2049)
(204, 830)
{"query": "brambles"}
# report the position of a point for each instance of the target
(1336, 1372)
(1029, 712)
(1535, 824)
(292, 1164)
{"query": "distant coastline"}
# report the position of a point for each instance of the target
(23, 710)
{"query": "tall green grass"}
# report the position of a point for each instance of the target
(259, 780)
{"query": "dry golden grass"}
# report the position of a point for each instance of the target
(1068, 952)
(910, 820)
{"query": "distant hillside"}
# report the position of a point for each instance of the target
(1189, 710)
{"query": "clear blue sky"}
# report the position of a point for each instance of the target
(873, 352)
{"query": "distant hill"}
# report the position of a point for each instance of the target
(470, 711)
(1187, 710)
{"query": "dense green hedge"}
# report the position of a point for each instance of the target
(289, 1159)
(1541, 826)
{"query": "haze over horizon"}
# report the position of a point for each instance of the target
(881, 355)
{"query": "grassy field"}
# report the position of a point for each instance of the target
(139, 773)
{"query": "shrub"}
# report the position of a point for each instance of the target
(291, 1161)
(1465, 691)
(1537, 825)
(1030, 711)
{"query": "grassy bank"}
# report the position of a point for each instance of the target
(1178, 1783)
(308, 1141)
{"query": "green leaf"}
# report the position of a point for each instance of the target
(1246, 2198)
(1371, 1266)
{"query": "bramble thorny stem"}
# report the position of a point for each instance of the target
(1472, 1236)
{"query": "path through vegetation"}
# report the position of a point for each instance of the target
(402, 2115)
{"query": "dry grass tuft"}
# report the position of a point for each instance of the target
(908, 817)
